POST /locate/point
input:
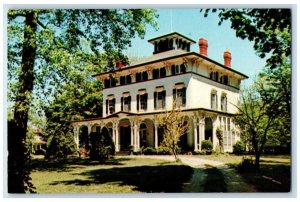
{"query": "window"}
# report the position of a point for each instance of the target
(159, 73)
(125, 80)
(179, 95)
(214, 76)
(178, 69)
(214, 100)
(126, 102)
(110, 104)
(141, 100)
(224, 103)
(159, 98)
(224, 79)
(141, 76)
(109, 82)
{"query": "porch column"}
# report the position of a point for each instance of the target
(76, 137)
(131, 134)
(134, 136)
(117, 138)
(114, 136)
(155, 135)
(201, 131)
(214, 129)
(195, 135)
(89, 129)
(138, 135)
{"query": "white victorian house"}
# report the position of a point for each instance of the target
(135, 94)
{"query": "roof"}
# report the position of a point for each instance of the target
(170, 55)
(171, 34)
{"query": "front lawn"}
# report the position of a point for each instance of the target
(119, 175)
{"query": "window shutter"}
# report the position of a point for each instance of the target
(174, 94)
(211, 101)
(182, 68)
(138, 102)
(106, 107)
(164, 99)
(173, 69)
(122, 103)
(146, 100)
(155, 98)
(217, 76)
(129, 103)
(183, 96)
(114, 104)
(128, 79)
(145, 76)
(216, 102)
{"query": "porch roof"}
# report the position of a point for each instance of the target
(129, 114)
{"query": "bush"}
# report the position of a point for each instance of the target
(102, 146)
(163, 151)
(207, 146)
(149, 151)
(239, 148)
(199, 152)
(247, 165)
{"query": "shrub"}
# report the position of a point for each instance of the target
(247, 165)
(102, 146)
(163, 151)
(239, 148)
(149, 151)
(207, 146)
(199, 152)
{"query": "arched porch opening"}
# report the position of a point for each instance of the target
(125, 134)
(208, 135)
(183, 140)
(147, 133)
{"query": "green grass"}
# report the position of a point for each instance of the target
(119, 175)
(215, 181)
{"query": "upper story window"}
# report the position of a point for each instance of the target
(214, 100)
(224, 79)
(179, 95)
(125, 80)
(141, 100)
(178, 69)
(109, 82)
(159, 73)
(110, 104)
(159, 98)
(126, 102)
(224, 103)
(214, 76)
(141, 76)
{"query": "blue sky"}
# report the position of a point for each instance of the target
(192, 23)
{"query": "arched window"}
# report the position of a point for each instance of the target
(214, 100)
(224, 103)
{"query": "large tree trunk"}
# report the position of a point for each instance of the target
(18, 171)
(257, 159)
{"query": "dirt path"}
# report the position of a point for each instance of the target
(205, 176)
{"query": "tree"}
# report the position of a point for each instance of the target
(175, 125)
(257, 117)
(43, 46)
(270, 29)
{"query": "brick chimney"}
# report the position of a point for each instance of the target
(227, 58)
(203, 45)
(120, 64)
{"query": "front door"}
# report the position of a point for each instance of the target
(125, 137)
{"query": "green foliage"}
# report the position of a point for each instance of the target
(45, 46)
(199, 152)
(247, 165)
(150, 151)
(207, 146)
(270, 29)
(102, 146)
(239, 148)
(60, 144)
(161, 150)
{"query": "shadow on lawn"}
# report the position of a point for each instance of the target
(160, 178)
(270, 178)
(64, 165)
